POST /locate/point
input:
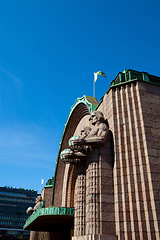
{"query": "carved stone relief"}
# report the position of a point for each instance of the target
(81, 145)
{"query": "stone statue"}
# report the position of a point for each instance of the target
(78, 139)
(38, 201)
(89, 138)
(85, 131)
(76, 152)
(69, 156)
(98, 133)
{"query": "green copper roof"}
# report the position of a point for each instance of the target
(132, 75)
(54, 211)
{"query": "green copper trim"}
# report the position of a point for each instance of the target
(132, 75)
(49, 211)
(91, 103)
(129, 76)
(50, 182)
(49, 186)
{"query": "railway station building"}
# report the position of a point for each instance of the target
(107, 179)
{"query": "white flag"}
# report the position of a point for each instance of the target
(98, 73)
(42, 181)
(95, 77)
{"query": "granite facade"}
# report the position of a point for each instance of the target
(133, 117)
(116, 189)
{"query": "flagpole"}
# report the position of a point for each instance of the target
(95, 79)
(42, 182)
(94, 87)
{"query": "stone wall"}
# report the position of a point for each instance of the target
(39, 235)
(47, 194)
(133, 111)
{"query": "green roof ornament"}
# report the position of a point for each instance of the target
(50, 182)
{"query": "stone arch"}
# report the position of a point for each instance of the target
(64, 175)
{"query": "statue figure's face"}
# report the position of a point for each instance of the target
(94, 119)
(38, 199)
(83, 133)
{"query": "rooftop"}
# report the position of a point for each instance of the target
(132, 75)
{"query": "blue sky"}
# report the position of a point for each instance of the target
(49, 51)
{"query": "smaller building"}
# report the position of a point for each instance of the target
(13, 205)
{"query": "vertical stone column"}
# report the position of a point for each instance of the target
(107, 216)
(92, 194)
(100, 220)
(80, 200)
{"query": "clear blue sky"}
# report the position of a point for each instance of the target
(49, 51)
